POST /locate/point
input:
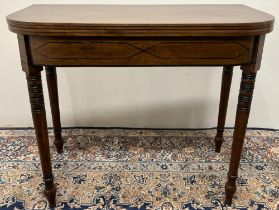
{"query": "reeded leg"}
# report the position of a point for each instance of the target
(224, 98)
(242, 115)
(39, 118)
(54, 104)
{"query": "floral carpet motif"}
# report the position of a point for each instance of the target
(117, 169)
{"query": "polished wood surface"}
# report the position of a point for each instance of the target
(54, 105)
(224, 99)
(130, 20)
(88, 51)
(126, 35)
(36, 96)
(241, 120)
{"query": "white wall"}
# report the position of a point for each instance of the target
(138, 97)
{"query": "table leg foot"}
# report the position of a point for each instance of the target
(58, 141)
(230, 189)
(218, 143)
(50, 192)
(224, 98)
(54, 105)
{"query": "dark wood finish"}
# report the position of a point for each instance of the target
(255, 65)
(35, 89)
(242, 115)
(54, 105)
(39, 118)
(224, 98)
(126, 35)
(140, 52)
(140, 20)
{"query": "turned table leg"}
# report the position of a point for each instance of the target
(242, 115)
(224, 98)
(54, 104)
(36, 97)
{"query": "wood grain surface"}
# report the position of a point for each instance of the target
(140, 19)
(88, 51)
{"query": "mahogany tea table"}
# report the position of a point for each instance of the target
(51, 36)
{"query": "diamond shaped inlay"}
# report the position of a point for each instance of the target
(87, 50)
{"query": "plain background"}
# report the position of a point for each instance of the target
(138, 97)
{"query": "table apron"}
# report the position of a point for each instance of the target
(139, 51)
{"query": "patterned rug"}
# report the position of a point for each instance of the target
(117, 169)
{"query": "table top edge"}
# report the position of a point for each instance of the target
(259, 27)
